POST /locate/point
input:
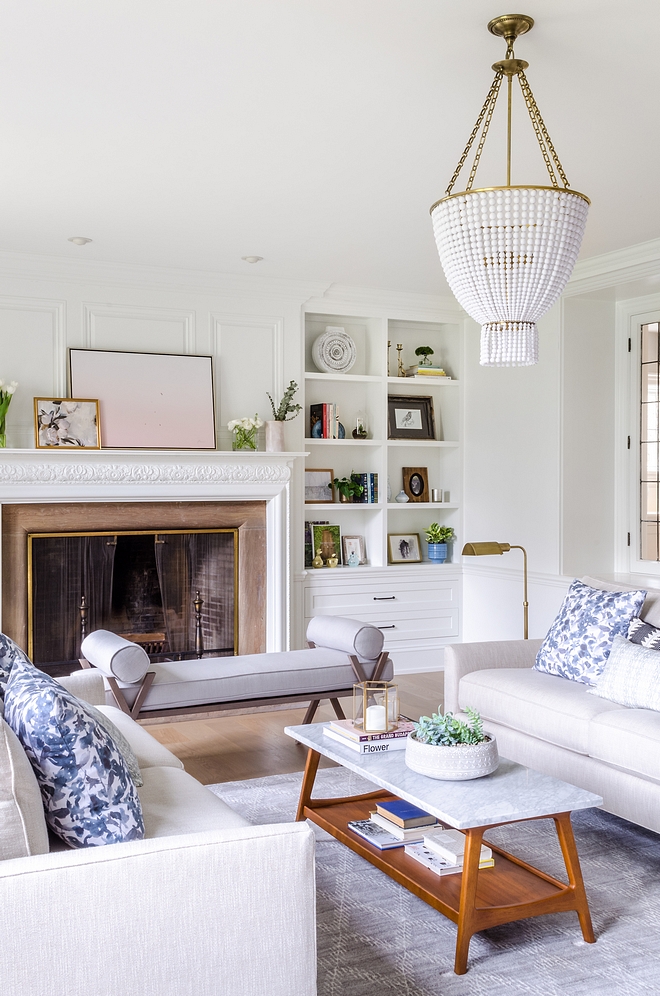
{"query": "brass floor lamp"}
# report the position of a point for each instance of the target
(490, 550)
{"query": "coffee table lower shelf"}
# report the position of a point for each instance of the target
(474, 899)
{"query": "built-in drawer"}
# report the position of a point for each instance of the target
(380, 600)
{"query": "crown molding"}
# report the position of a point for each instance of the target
(33, 266)
(388, 303)
(612, 268)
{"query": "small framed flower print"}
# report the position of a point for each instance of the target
(67, 423)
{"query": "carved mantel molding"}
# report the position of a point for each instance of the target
(118, 473)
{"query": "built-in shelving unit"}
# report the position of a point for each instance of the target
(398, 597)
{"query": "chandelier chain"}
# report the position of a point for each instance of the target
(544, 140)
(489, 105)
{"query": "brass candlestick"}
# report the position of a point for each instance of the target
(400, 371)
(389, 345)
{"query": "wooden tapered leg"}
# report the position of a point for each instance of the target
(574, 872)
(466, 913)
(311, 767)
(339, 712)
(311, 711)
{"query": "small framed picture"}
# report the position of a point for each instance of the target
(410, 417)
(327, 539)
(354, 544)
(67, 423)
(404, 548)
(416, 483)
(318, 487)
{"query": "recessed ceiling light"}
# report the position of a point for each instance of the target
(79, 240)
(252, 259)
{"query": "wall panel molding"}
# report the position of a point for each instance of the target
(93, 312)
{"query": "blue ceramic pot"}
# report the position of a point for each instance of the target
(437, 552)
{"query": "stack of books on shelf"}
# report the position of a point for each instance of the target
(369, 484)
(395, 823)
(328, 416)
(346, 733)
(442, 850)
(417, 370)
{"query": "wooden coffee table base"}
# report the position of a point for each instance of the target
(474, 900)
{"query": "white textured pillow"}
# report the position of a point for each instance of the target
(115, 656)
(349, 635)
(22, 821)
(631, 676)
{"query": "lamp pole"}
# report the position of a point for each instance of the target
(525, 602)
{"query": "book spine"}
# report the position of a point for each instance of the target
(365, 737)
(372, 747)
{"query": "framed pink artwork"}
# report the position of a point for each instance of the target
(156, 401)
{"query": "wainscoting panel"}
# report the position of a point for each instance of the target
(154, 330)
(36, 328)
(248, 363)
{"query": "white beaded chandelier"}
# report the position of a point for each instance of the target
(508, 252)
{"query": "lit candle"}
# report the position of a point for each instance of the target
(374, 720)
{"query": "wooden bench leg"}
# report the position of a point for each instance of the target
(311, 711)
(339, 712)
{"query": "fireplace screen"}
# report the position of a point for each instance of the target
(172, 591)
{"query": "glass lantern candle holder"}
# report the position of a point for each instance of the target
(375, 706)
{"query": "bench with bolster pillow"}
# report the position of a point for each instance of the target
(340, 652)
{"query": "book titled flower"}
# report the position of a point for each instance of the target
(368, 746)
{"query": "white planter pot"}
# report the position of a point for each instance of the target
(275, 437)
(452, 764)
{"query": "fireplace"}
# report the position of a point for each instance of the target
(123, 491)
(172, 591)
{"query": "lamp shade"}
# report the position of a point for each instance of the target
(507, 254)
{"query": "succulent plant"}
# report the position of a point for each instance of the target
(448, 731)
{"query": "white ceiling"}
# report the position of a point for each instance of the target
(314, 133)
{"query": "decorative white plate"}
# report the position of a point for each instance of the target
(334, 351)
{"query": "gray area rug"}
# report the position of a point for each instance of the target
(376, 939)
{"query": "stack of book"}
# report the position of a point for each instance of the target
(328, 416)
(344, 732)
(394, 824)
(442, 851)
(417, 370)
(369, 484)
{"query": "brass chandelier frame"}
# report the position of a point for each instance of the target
(509, 27)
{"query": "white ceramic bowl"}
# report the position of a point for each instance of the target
(452, 764)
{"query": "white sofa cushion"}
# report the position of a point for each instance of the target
(22, 822)
(249, 676)
(149, 752)
(542, 705)
(173, 802)
(628, 739)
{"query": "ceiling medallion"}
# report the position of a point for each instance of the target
(508, 252)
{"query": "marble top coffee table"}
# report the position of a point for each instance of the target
(475, 899)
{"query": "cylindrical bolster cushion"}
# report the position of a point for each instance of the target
(115, 656)
(349, 635)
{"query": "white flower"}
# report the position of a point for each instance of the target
(232, 425)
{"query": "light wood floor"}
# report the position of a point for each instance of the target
(232, 748)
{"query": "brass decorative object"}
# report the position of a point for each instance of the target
(508, 251)
(401, 372)
(496, 549)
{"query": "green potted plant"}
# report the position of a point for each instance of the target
(450, 748)
(437, 538)
(348, 487)
(275, 426)
(425, 352)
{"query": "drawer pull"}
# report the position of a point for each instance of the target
(384, 598)
(386, 627)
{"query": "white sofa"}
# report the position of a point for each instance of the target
(557, 726)
(206, 904)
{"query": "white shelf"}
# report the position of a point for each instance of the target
(435, 381)
(423, 442)
(422, 504)
(343, 442)
(343, 505)
(355, 378)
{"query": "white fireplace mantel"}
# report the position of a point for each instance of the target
(169, 475)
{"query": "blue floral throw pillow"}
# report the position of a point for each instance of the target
(580, 639)
(9, 653)
(88, 794)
